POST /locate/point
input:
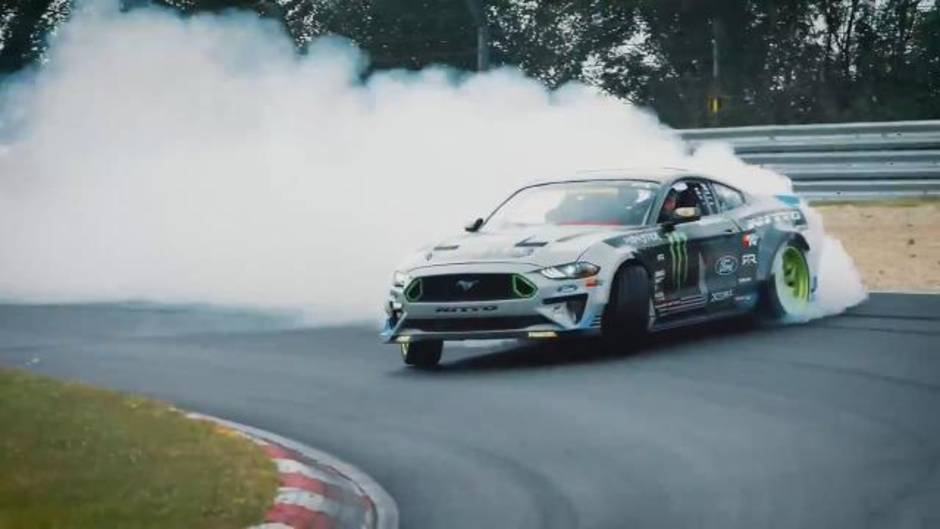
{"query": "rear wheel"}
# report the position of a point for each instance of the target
(629, 312)
(422, 354)
(787, 289)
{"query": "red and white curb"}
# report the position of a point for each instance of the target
(316, 490)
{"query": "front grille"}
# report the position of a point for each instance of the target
(470, 287)
(505, 323)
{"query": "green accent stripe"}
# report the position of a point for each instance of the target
(685, 257)
(415, 290)
(522, 287)
(678, 251)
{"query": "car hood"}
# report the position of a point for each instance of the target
(541, 246)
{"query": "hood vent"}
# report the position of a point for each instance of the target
(527, 243)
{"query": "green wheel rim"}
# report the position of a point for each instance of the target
(795, 275)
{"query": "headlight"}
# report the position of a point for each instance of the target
(400, 279)
(578, 270)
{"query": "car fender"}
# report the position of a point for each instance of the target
(611, 260)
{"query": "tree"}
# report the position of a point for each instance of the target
(779, 61)
(557, 42)
(394, 33)
(24, 26)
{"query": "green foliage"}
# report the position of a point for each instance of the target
(394, 33)
(24, 25)
(779, 61)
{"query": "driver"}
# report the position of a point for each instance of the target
(669, 205)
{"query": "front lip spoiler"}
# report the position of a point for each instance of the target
(510, 334)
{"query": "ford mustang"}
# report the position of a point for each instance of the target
(614, 255)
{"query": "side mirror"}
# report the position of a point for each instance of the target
(687, 214)
(474, 226)
(681, 216)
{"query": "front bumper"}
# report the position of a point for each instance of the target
(557, 308)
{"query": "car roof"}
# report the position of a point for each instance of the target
(661, 175)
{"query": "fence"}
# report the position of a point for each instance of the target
(846, 160)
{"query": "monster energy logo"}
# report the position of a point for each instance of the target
(680, 257)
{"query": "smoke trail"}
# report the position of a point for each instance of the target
(202, 159)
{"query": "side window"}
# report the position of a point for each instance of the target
(685, 194)
(729, 198)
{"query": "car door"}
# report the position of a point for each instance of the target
(698, 258)
(722, 249)
(747, 244)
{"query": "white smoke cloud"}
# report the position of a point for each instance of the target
(202, 159)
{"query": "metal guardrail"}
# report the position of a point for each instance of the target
(845, 160)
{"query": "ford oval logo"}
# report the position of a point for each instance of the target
(726, 265)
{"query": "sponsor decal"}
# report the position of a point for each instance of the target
(689, 302)
(705, 196)
(744, 299)
(660, 257)
(658, 277)
(751, 240)
(726, 265)
(642, 238)
(743, 280)
(462, 310)
(635, 239)
(722, 295)
(792, 216)
(567, 288)
(678, 251)
(749, 259)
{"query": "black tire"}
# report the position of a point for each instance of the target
(422, 354)
(626, 320)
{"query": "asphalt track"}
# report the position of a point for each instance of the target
(831, 424)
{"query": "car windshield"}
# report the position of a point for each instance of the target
(613, 203)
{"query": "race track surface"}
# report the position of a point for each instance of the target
(831, 424)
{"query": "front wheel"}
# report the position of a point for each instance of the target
(422, 354)
(629, 312)
(787, 291)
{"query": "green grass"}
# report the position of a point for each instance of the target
(77, 457)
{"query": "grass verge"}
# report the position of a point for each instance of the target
(77, 457)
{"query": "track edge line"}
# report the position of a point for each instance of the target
(385, 507)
